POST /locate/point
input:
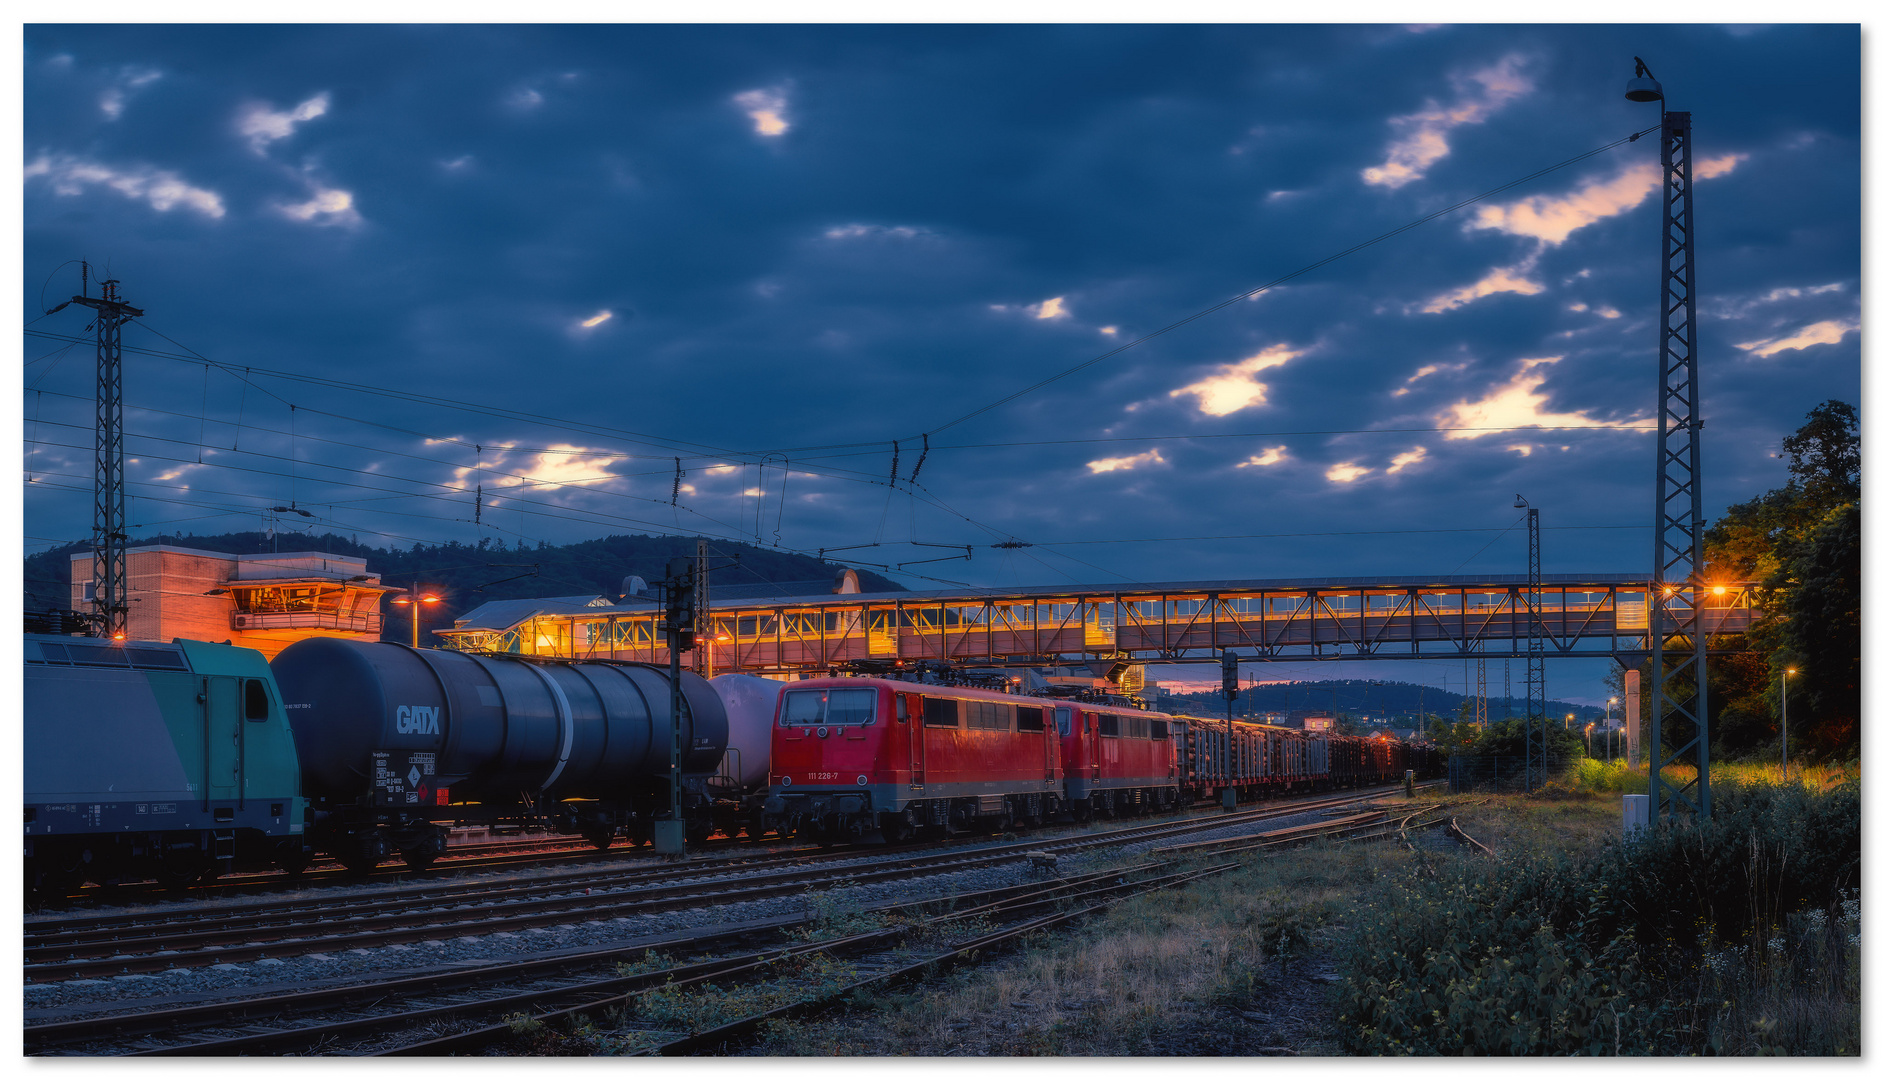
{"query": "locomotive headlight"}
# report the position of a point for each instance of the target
(784, 781)
(862, 780)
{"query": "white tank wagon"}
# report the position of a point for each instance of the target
(751, 703)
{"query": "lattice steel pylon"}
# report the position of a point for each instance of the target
(1678, 641)
(1536, 758)
(1481, 710)
(110, 597)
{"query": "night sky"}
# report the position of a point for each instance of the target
(550, 260)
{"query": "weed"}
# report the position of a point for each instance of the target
(1730, 928)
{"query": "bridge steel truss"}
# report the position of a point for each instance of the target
(1269, 620)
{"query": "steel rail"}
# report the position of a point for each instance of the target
(219, 945)
(44, 1036)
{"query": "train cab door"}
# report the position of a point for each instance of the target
(910, 706)
(1090, 742)
(222, 738)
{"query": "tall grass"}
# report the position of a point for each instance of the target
(1592, 774)
(1733, 936)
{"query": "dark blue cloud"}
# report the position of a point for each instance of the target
(437, 210)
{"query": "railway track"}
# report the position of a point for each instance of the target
(305, 1021)
(150, 942)
(466, 858)
(552, 989)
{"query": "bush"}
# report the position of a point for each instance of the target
(1621, 952)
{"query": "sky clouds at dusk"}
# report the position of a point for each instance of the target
(550, 260)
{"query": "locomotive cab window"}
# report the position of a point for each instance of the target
(837, 708)
(254, 699)
(1063, 719)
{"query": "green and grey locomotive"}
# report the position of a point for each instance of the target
(149, 760)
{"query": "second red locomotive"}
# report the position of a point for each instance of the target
(856, 755)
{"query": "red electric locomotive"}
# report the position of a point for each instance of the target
(1118, 759)
(852, 755)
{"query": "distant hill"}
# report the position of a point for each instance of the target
(1354, 697)
(469, 575)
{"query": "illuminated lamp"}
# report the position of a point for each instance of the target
(1720, 590)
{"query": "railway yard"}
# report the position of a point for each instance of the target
(507, 948)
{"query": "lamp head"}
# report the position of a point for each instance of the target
(1643, 87)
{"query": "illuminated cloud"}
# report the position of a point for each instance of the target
(328, 206)
(1235, 386)
(1347, 472)
(1829, 332)
(458, 164)
(596, 320)
(130, 81)
(1411, 457)
(1049, 309)
(1552, 219)
(893, 232)
(162, 189)
(1516, 404)
(262, 125)
(558, 465)
(1109, 331)
(1429, 369)
(1269, 456)
(766, 108)
(1126, 464)
(1502, 279)
(1477, 95)
(524, 99)
(1794, 294)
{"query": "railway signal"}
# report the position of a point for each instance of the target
(682, 612)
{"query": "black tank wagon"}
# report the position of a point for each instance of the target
(396, 742)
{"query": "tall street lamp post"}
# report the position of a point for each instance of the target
(414, 600)
(1785, 770)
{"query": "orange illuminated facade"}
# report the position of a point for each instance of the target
(261, 602)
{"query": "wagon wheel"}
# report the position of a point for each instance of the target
(422, 855)
(600, 839)
(179, 874)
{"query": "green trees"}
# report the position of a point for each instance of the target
(1801, 544)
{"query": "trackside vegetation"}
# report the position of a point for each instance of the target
(1735, 936)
